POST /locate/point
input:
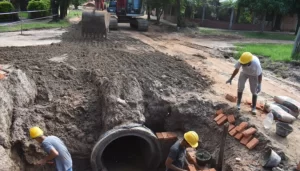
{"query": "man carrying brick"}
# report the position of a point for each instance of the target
(55, 149)
(251, 70)
(177, 154)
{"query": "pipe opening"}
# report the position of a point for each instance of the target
(126, 153)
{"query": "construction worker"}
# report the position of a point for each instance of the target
(55, 149)
(177, 154)
(251, 70)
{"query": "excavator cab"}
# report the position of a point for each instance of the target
(130, 11)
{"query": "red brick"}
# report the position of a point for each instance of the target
(248, 102)
(218, 117)
(220, 111)
(230, 127)
(191, 155)
(253, 143)
(159, 136)
(238, 136)
(191, 167)
(222, 120)
(233, 132)
(231, 98)
(231, 119)
(245, 140)
(242, 126)
(172, 135)
(249, 131)
(165, 135)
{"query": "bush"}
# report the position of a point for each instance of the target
(245, 17)
(37, 5)
(6, 6)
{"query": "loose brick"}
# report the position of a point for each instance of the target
(172, 135)
(246, 140)
(233, 132)
(242, 126)
(159, 136)
(222, 120)
(231, 119)
(218, 117)
(231, 98)
(165, 135)
(230, 127)
(249, 131)
(191, 167)
(220, 111)
(248, 102)
(252, 144)
(191, 155)
(238, 136)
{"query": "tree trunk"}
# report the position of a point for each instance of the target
(157, 15)
(274, 21)
(263, 22)
(253, 17)
(148, 12)
(238, 14)
(231, 18)
(296, 50)
(298, 24)
(171, 10)
(179, 17)
(76, 7)
(203, 13)
(54, 7)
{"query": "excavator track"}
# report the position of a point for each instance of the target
(139, 24)
(113, 23)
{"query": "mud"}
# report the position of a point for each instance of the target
(79, 88)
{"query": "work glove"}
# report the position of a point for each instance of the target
(229, 81)
(258, 89)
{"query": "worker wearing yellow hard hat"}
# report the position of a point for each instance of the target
(54, 147)
(251, 70)
(177, 154)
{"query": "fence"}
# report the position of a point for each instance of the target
(21, 21)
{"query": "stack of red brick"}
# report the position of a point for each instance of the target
(241, 132)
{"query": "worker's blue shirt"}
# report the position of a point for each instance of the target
(177, 154)
(63, 161)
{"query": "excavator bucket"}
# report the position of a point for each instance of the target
(95, 23)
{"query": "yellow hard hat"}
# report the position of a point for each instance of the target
(246, 57)
(192, 138)
(35, 132)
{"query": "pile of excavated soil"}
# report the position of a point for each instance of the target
(75, 85)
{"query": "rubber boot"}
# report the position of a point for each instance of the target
(254, 100)
(239, 100)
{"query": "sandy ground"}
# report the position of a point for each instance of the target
(183, 46)
(31, 37)
(219, 70)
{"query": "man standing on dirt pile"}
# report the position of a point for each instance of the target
(251, 70)
(177, 155)
(55, 149)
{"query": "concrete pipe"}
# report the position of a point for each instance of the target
(126, 147)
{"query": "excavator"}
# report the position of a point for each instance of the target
(97, 22)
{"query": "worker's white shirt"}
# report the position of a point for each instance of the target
(254, 69)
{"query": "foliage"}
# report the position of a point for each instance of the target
(37, 5)
(35, 25)
(277, 52)
(76, 3)
(245, 17)
(296, 50)
(6, 6)
(159, 5)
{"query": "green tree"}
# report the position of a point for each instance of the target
(159, 5)
(192, 5)
(232, 5)
(263, 7)
(296, 50)
(76, 3)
